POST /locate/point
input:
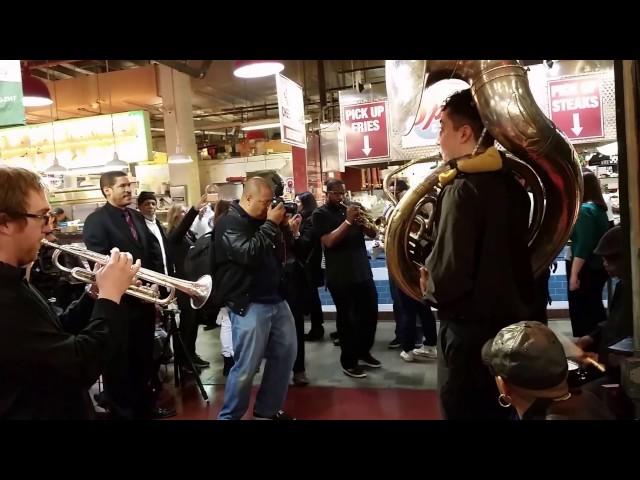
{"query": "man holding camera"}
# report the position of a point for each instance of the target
(249, 254)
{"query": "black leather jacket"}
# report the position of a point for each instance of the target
(240, 245)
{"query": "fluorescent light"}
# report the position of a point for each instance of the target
(257, 68)
(260, 126)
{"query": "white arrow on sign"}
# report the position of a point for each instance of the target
(366, 148)
(576, 124)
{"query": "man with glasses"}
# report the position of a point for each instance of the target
(349, 278)
(127, 379)
(48, 363)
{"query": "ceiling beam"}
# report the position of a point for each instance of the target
(185, 68)
(54, 73)
(68, 66)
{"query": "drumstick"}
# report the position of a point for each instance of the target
(599, 366)
(573, 351)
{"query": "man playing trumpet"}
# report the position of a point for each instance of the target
(48, 364)
(349, 277)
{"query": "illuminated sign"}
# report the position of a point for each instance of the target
(79, 142)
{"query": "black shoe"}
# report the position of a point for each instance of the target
(355, 372)
(199, 362)
(369, 361)
(333, 335)
(314, 335)
(395, 343)
(159, 412)
(228, 363)
(281, 415)
(210, 327)
(336, 342)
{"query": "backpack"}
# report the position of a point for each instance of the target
(199, 258)
(200, 261)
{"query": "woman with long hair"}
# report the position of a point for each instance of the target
(180, 240)
(585, 271)
(311, 259)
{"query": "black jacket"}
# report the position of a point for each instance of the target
(619, 324)
(240, 245)
(480, 267)
(48, 364)
(106, 228)
(180, 240)
(310, 252)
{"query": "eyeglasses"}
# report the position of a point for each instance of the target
(46, 218)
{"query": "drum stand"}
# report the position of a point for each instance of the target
(180, 353)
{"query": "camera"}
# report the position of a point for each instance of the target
(289, 207)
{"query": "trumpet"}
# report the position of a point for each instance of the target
(199, 291)
(366, 220)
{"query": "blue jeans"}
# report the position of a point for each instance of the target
(266, 331)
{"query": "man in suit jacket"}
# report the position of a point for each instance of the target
(128, 373)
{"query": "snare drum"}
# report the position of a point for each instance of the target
(577, 375)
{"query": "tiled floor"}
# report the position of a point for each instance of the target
(397, 391)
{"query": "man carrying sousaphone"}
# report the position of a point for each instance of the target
(479, 272)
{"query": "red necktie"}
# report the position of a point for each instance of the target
(127, 217)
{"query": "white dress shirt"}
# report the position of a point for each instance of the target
(153, 226)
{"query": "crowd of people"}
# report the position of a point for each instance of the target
(496, 359)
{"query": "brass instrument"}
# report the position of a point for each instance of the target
(543, 157)
(199, 291)
(366, 220)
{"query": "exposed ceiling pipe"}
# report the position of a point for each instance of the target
(53, 73)
(362, 69)
(50, 63)
(77, 69)
(184, 68)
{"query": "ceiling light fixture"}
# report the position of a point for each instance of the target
(256, 68)
(35, 92)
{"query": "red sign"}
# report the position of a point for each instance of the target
(365, 131)
(575, 104)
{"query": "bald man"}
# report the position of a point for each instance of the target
(249, 256)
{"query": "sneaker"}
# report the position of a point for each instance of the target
(426, 351)
(395, 343)
(369, 361)
(300, 379)
(355, 372)
(281, 415)
(407, 356)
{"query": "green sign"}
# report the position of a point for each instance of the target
(11, 107)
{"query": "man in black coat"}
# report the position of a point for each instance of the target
(479, 272)
(127, 376)
(48, 364)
